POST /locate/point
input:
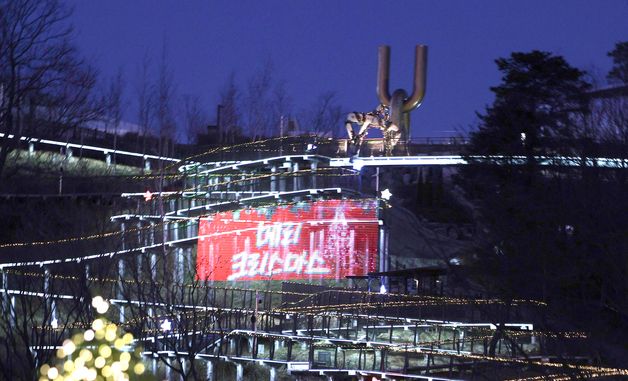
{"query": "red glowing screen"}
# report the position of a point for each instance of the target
(308, 240)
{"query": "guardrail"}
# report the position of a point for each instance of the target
(298, 145)
(109, 155)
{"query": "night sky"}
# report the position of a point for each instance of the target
(322, 45)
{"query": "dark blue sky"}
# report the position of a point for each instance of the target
(323, 45)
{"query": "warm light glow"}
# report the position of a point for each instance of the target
(68, 366)
(118, 344)
(106, 371)
(104, 350)
(100, 304)
(125, 357)
(86, 355)
(99, 362)
(91, 374)
(110, 332)
(110, 363)
(139, 368)
(89, 335)
(68, 347)
(53, 373)
(98, 324)
(96, 301)
(78, 339)
(127, 338)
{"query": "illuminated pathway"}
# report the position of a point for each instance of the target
(107, 152)
(449, 160)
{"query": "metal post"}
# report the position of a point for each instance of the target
(383, 253)
(53, 310)
(188, 266)
(9, 302)
(281, 124)
(314, 167)
(120, 284)
(239, 372)
(296, 183)
(121, 271)
(13, 321)
(256, 312)
(153, 265)
(273, 179)
(165, 230)
(46, 282)
(282, 183)
(48, 298)
(151, 234)
(210, 371)
(60, 180)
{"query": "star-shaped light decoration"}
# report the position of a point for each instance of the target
(166, 325)
(386, 194)
(148, 196)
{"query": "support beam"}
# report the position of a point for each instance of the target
(239, 372)
(313, 168)
(273, 179)
(296, 181)
(210, 371)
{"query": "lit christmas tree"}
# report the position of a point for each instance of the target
(338, 243)
(103, 352)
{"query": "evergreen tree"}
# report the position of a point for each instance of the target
(556, 234)
(536, 105)
(619, 72)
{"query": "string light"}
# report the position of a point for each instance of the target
(174, 195)
(115, 253)
(73, 239)
(389, 304)
(101, 352)
(413, 300)
(239, 146)
(253, 177)
(313, 338)
(403, 347)
(408, 300)
(160, 284)
(568, 377)
(62, 240)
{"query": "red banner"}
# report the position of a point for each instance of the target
(308, 240)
